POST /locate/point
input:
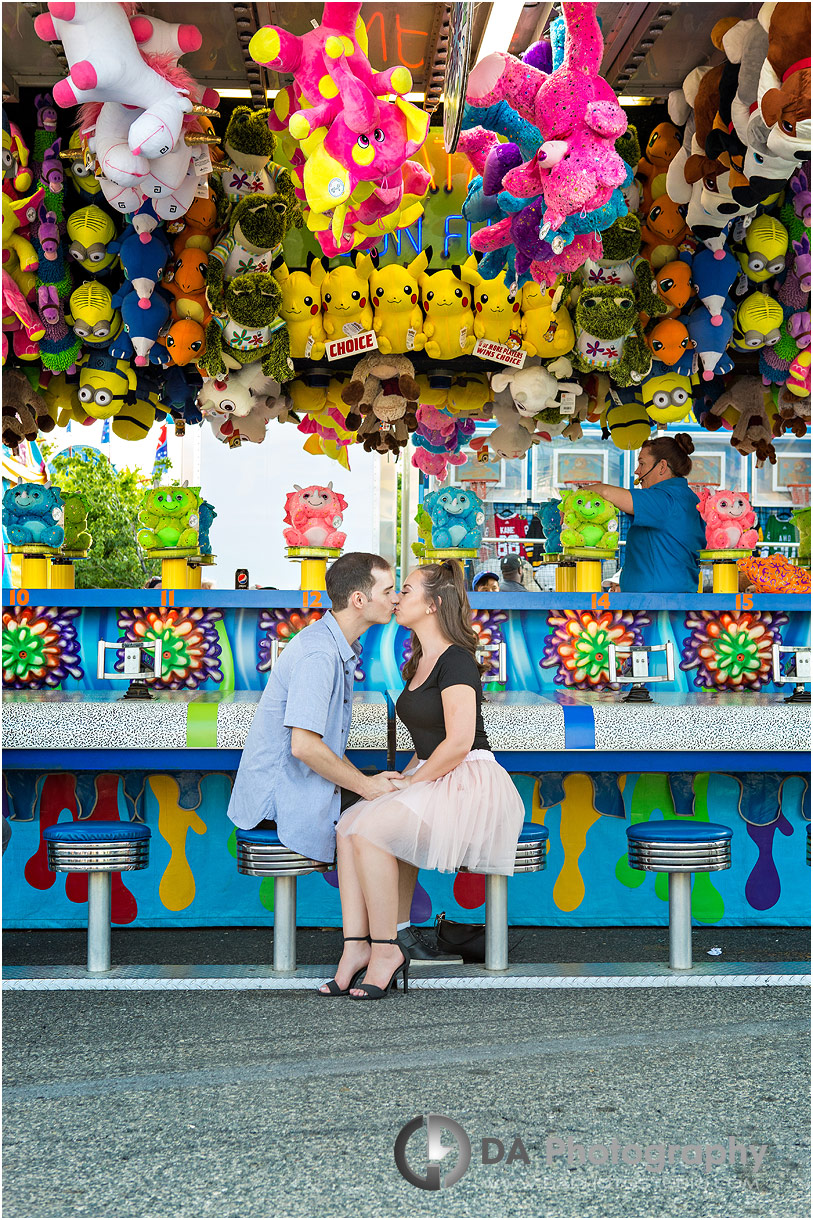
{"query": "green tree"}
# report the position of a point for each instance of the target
(115, 561)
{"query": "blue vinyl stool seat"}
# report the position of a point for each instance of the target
(531, 857)
(98, 849)
(680, 847)
(261, 853)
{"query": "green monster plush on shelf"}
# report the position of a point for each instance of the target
(249, 329)
(77, 537)
(589, 520)
(801, 519)
(169, 519)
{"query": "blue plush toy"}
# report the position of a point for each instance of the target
(457, 518)
(713, 273)
(34, 513)
(144, 318)
(710, 344)
(179, 392)
(206, 514)
(143, 261)
(551, 519)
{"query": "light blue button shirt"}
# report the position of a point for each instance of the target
(310, 687)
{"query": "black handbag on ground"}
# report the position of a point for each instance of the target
(468, 940)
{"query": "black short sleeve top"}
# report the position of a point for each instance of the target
(422, 709)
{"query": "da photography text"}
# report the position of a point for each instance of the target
(433, 1152)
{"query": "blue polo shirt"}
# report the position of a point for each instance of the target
(310, 687)
(666, 534)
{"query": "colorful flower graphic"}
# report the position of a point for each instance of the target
(40, 647)
(190, 646)
(731, 650)
(579, 645)
(283, 625)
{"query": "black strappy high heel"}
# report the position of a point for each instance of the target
(371, 992)
(333, 988)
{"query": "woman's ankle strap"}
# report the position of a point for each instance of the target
(357, 938)
(373, 941)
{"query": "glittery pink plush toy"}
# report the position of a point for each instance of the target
(729, 517)
(575, 105)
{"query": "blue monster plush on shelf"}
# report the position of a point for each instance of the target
(457, 518)
(551, 519)
(207, 514)
(34, 514)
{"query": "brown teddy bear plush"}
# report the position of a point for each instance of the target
(752, 432)
(25, 411)
(383, 393)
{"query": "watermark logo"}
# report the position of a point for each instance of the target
(427, 1175)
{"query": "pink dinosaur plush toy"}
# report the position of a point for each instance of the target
(729, 519)
(314, 515)
(573, 104)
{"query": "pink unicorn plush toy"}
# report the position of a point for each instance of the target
(314, 515)
(729, 520)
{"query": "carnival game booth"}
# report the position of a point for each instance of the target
(499, 310)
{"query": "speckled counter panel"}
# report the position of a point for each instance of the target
(65, 722)
(704, 726)
(368, 727)
(513, 720)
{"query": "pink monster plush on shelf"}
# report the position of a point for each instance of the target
(314, 515)
(729, 520)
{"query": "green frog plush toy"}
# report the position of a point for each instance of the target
(589, 520)
(249, 329)
(169, 517)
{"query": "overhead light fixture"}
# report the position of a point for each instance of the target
(628, 99)
(502, 22)
(234, 92)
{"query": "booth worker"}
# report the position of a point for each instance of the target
(667, 530)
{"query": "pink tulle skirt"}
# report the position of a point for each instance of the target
(471, 817)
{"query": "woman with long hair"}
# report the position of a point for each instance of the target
(667, 531)
(454, 804)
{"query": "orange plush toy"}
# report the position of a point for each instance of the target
(675, 287)
(199, 226)
(669, 341)
(185, 341)
(661, 147)
(186, 282)
(662, 231)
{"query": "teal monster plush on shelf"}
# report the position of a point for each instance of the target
(207, 515)
(169, 519)
(457, 518)
(249, 329)
(589, 521)
(609, 335)
(801, 519)
(33, 514)
(77, 536)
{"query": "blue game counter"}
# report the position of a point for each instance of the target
(718, 743)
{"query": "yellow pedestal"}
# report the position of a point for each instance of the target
(63, 575)
(174, 573)
(566, 578)
(314, 560)
(35, 562)
(193, 571)
(725, 573)
(588, 575)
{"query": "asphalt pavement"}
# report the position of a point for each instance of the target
(233, 1104)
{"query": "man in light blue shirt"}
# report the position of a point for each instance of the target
(293, 766)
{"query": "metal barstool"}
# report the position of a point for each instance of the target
(531, 857)
(679, 847)
(260, 853)
(98, 849)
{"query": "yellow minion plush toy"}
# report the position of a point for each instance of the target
(92, 315)
(90, 231)
(667, 398)
(106, 385)
(766, 247)
(757, 323)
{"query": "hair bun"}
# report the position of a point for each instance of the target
(685, 441)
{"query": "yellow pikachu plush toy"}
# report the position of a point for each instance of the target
(547, 329)
(447, 299)
(496, 315)
(346, 297)
(395, 293)
(301, 308)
